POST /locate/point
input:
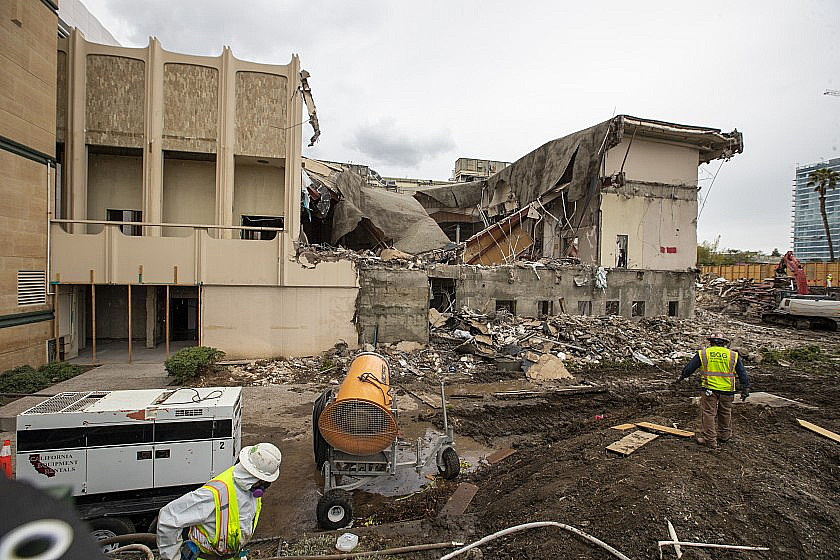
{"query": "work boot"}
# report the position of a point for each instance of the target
(704, 442)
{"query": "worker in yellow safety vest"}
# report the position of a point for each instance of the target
(216, 521)
(719, 367)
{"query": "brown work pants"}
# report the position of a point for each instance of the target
(716, 417)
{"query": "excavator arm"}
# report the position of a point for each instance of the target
(797, 269)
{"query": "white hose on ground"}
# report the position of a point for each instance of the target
(534, 525)
(136, 546)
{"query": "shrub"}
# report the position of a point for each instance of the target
(188, 363)
(811, 353)
(26, 379)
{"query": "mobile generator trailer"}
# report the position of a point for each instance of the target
(123, 455)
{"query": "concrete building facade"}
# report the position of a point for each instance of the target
(27, 170)
(807, 228)
(178, 207)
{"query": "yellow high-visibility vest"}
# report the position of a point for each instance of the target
(227, 537)
(718, 368)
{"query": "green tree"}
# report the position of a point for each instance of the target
(824, 180)
(776, 253)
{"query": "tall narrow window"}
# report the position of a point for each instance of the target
(621, 251)
(127, 216)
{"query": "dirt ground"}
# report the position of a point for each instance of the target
(775, 484)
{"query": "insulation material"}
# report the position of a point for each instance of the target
(500, 243)
(392, 218)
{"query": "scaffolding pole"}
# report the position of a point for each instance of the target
(129, 323)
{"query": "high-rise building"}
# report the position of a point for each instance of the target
(808, 231)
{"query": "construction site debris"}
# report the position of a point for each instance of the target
(500, 455)
(819, 430)
(631, 442)
(664, 429)
(548, 368)
(460, 499)
(623, 427)
(744, 295)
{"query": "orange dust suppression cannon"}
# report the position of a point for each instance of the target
(355, 438)
(360, 420)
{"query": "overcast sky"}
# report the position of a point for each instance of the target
(407, 88)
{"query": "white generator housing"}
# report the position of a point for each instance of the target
(112, 441)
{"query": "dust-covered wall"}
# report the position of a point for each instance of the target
(395, 300)
(398, 300)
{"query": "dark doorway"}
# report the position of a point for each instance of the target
(443, 294)
(183, 316)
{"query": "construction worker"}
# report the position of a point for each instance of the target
(216, 521)
(828, 280)
(719, 365)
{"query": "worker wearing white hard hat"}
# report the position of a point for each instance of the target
(216, 521)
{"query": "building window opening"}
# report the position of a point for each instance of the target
(613, 307)
(637, 309)
(442, 296)
(545, 307)
(621, 251)
(508, 305)
(260, 221)
(127, 216)
(673, 308)
(584, 307)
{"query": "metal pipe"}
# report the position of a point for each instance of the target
(166, 320)
(707, 545)
(131, 538)
(93, 315)
(163, 224)
(129, 323)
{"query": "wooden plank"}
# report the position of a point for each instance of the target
(630, 443)
(460, 500)
(817, 429)
(664, 429)
(623, 427)
(499, 455)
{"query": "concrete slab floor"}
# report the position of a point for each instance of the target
(116, 352)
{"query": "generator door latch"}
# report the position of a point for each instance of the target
(143, 455)
(162, 454)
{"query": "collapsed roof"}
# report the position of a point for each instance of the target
(573, 161)
(390, 218)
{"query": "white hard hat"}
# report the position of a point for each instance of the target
(261, 460)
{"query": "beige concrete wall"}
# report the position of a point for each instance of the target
(190, 107)
(115, 106)
(258, 190)
(261, 114)
(265, 322)
(654, 161)
(189, 193)
(114, 182)
(650, 223)
(24, 345)
(23, 225)
(27, 74)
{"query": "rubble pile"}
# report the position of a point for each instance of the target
(744, 295)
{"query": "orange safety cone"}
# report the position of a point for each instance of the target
(6, 458)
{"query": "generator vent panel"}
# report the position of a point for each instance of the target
(189, 412)
(66, 402)
(81, 404)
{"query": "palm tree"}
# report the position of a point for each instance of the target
(824, 180)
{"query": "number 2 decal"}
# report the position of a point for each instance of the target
(221, 445)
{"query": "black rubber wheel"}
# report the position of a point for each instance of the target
(320, 447)
(335, 510)
(451, 464)
(103, 528)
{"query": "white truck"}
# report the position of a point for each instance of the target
(125, 454)
(805, 312)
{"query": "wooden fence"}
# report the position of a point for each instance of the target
(815, 272)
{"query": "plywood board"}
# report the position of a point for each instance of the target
(460, 499)
(500, 455)
(623, 427)
(664, 429)
(631, 442)
(817, 429)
